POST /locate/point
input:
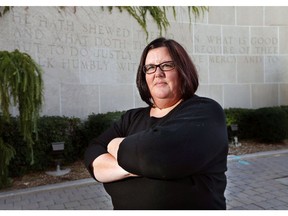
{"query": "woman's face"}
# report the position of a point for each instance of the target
(163, 85)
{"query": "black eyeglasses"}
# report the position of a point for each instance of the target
(164, 66)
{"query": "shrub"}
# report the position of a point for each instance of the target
(265, 124)
(242, 117)
(75, 133)
(98, 123)
(271, 124)
(50, 129)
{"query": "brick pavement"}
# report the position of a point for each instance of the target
(255, 182)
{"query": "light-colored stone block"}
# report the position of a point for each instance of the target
(264, 41)
(79, 100)
(223, 15)
(202, 67)
(186, 36)
(276, 16)
(283, 45)
(235, 40)
(222, 69)
(250, 69)
(211, 91)
(237, 96)
(276, 69)
(138, 102)
(52, 99)
(283, 94)
(250, 15)
(264, 95)
(182, 15)
(207, 39)
(116, 97)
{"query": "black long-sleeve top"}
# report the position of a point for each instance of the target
(181, 157)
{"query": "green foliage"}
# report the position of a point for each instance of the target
(97, 123)
(22, 86)
(158, 14)
(75, 133)
(271, 124)
(268, 125)
(6, 154)
(50, 129)
(4, 9)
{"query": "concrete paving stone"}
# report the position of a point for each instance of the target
(250, 192)
(21, 203)
(31, 206)
(7, 206)
(283, 198)
(13, 199)
(56, 207)
(236, 189)
(237, 208)
(17, 207)
(268, 195)
(235, 203)
(83, 207)
(101, 199)
(265, 204)
(257, 198)
(91, 195)
(284, 207)
(245, 200)
(253, 207)
(51, 196)
(261, 190)
(46, 203)
(36, 199)
(75, 197)
(101, 205)
(278, 193)
(87, 202)
(70, 205)
(277, 202)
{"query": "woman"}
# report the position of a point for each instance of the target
(171, 154)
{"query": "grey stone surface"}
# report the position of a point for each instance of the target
(88, 54)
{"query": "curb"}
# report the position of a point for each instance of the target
(258, 154)
(48, 187)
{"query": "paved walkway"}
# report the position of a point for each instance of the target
(255, 182)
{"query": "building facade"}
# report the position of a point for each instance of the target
(90, 56)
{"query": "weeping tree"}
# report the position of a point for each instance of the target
(21, 85)
(158, 14)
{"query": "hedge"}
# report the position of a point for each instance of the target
(75, 133)
(267, 125)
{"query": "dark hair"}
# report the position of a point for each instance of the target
(184, 65)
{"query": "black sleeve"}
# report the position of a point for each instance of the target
(98, 146)
(181, 146)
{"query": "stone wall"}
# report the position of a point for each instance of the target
(90, 56)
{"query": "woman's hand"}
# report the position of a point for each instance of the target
(106, 167)
(113, 146)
